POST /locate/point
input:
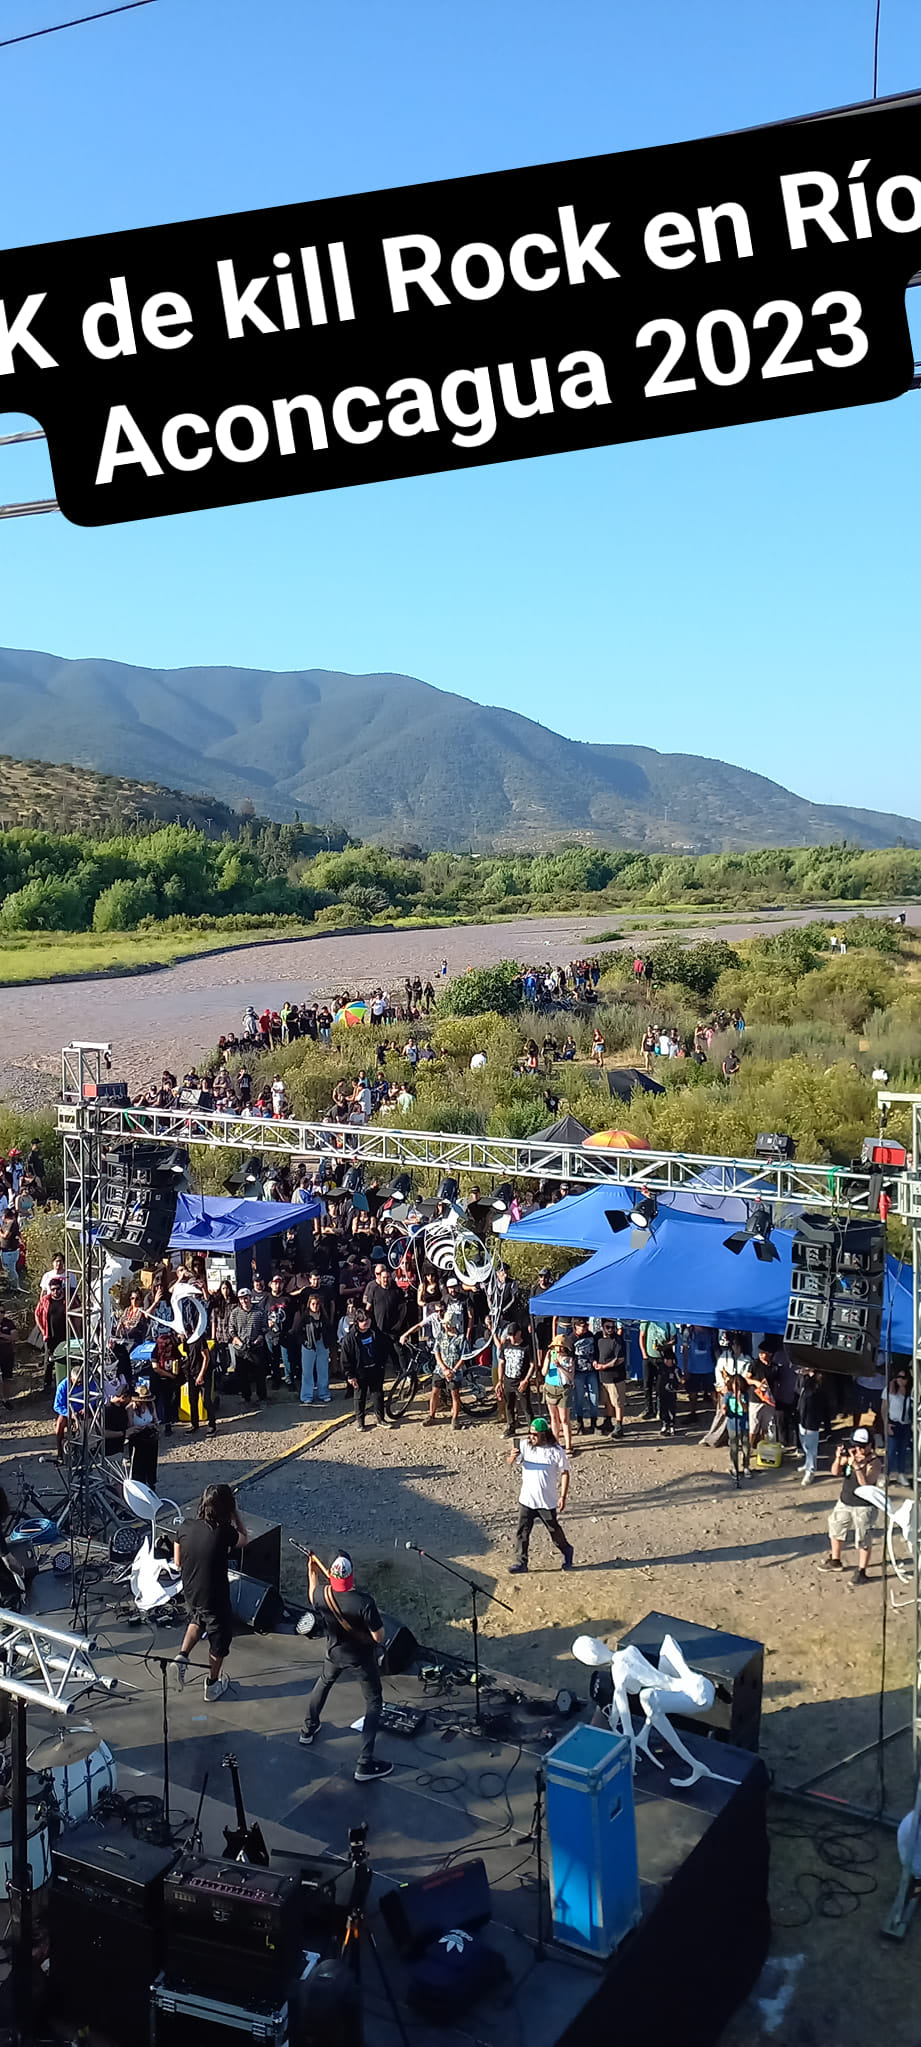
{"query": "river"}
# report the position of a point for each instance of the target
(173, 1016)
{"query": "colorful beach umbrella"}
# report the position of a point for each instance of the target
(616, 1140)
(353, 1013)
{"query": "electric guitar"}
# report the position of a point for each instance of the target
(243, 1843)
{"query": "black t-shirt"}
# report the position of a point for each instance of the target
(386, 1305)
(203, 1553)
(352, 1644)
(612, 1356)
(585, 1351)
(116, 1421)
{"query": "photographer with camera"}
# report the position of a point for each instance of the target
(856, 1464)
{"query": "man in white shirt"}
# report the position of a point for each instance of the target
(57, 1271)
(544, 1469)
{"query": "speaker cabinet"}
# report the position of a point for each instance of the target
(733, 1663)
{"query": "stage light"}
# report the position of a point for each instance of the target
(248, 1179)
(400, 1189)
(645, 1212)
(757, 1231)
(503, 1196)
(775, 1145)
(448, 1190)
(177, 1163)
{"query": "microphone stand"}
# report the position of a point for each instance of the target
(476, 1592)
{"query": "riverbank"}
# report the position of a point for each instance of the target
(169, 1017)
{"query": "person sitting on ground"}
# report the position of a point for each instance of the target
(856, 1464)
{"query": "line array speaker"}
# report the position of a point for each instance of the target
(138, 1196)
(836, 1287)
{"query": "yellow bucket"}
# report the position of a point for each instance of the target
(769, 1456)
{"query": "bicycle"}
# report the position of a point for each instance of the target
(474, 1383)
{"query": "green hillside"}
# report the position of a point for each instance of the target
(398, 761)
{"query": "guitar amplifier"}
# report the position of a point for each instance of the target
(106, 1927)
(228, 1926)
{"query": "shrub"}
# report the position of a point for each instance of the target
(461, 1036)
(516, 1119)
(873, 934)
(483, 988)
(340, 916)
(697, 967)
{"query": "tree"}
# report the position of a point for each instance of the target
(44, 906)
(122, 906)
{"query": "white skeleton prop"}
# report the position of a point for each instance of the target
(672, 1688)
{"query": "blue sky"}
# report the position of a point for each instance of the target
(750, 593)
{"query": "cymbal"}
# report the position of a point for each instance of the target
(71, 1745)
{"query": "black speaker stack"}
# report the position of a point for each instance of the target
(106, 1929)
(837, 1287)
(145, 1946)
(138, 1197)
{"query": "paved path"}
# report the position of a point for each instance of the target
(178, 1013)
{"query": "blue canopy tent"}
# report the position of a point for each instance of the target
(682, 1272)
(215, 1222)
(579, 1221)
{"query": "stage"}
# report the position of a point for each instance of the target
(455, 1793)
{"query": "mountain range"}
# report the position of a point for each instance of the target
(395, 760)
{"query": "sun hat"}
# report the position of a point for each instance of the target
(341, 1573)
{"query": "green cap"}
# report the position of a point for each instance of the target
(540, 1426)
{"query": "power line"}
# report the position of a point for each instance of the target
(126, 8)
(876, 51)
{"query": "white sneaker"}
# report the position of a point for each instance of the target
(216, 1690)
(807, 1478)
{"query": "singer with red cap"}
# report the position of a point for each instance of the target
(354, 1632)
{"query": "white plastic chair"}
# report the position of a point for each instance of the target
(147, 1504)
(155, 1581)
(899, 1531)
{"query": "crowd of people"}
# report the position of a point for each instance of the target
(340, 1301)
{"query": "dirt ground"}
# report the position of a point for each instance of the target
(655, 1525)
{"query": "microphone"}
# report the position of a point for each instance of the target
(415, 1546)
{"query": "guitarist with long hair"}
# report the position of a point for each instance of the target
(354, 1632)
(201, 1551)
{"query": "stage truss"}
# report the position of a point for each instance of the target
(89, 1123)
